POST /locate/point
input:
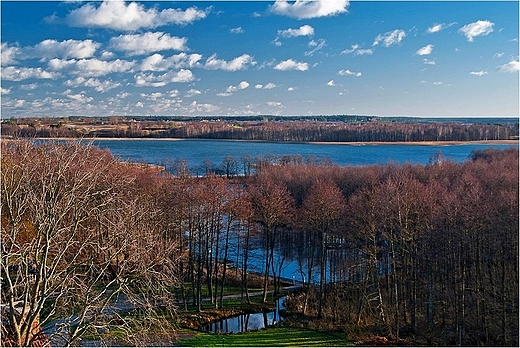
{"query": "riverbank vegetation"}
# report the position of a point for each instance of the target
(270, 128)
(423, 254)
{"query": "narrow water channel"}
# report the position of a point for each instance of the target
(247, 322)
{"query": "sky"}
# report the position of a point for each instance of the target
(197, 58)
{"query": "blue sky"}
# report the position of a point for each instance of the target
(264, 57)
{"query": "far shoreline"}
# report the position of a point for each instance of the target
(353, 143)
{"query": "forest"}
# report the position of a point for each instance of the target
(324, 129)
(427, 253)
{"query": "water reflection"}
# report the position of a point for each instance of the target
(247, 322)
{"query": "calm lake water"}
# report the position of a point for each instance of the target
(198, 151)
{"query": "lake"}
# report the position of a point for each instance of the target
(196, 151)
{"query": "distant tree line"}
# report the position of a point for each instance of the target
(424, 251)
(345, 132)
(368, 130)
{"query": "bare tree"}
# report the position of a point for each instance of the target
(72, 240)
(273, 206)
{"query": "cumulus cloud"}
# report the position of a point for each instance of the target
(192, 93)
(5, 90)
(349, 73)
(477, 28)
(511, 67)
(478, 73)
(331, 83)
(9, 54)
(118, 15)
(152, 80)
(158, 62)
(355, 50)
(239, 63)
(428, 61)
(98, 85)
(302, 9)
(304, 30)
(241, 85)
(390, 38)
(63, 49)
(12, 73)
(136, 44)
(91, 67)
(195, 107)
(291, 64)
(82, 98)
(423, 51)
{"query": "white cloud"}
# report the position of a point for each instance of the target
(63, 49)
(91, 67)
(239, 63)
(438, 83)
(157, 62)
(349, 73)
(173, 93)
(123, 95)
(438, 27)
(478, 73)
(5, 90)
(151, 80)
(135, 44)
(100, 86)
(355, 50)
(106, 55)
(224, 94)
(270, 85)
(290, 89)
(423, 51)
(390, 38)
(29, 87)
(275, 104)
(291, 64)
(318, 45)
(302, 9)
(12, 73)
(118, 15)
(477, 28)
(82, 98)
(435, 28)
(331, 83)
(428, 61)
(9, 54)
(498, 55)
(512, 66)
(192, 93)
(241, 85)
(195, 107)
(237, 30)
(304, 30)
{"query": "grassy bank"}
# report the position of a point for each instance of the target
(275, 336)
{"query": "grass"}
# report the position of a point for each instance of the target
(274, 336)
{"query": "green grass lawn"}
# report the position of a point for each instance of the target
(274, 336)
